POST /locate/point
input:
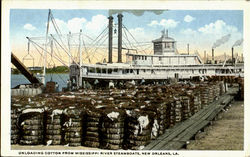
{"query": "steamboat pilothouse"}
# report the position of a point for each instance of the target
(163, 64)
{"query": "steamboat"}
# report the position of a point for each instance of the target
(165, 63)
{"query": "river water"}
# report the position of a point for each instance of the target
(61, 79)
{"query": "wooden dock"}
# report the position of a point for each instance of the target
(177, 137)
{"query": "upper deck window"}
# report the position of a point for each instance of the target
(98, 70)
(91, 70)
(104, 71)
(109, 71)
(158, 45)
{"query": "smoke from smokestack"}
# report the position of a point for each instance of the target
(238, 43)
(135, 12)
(221, 41)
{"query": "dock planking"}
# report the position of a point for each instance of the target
(173, 145)
(176, 137)
(168, 136)
(213, 115)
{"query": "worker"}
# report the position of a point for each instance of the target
(57, 87)
(111, 84)
(142, 81)
(121, 84)
(96, 82)
(69, 85)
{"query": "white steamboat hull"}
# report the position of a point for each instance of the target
(125, 72)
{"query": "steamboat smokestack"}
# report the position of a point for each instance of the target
(205, 55)
(119, 38)
(232, 55)
(110, 38)
(212, 54)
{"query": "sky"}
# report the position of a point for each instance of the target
(198, 28)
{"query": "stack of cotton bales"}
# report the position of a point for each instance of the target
(32, 126)
(112, 129)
